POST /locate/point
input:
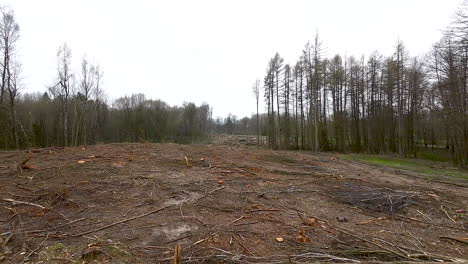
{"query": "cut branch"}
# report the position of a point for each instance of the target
(120, 222)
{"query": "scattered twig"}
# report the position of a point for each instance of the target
(216, 208)
(224, 251)
(24, 188)
(22, 165)
(215, 190)
(177, 254)
(371, 220)
(263, 210)
(9, 218)
(307, 257)
(62, 259)
(461, 240)
(177, 239)
(269, 220)
(154, 247)
(425, 216)
(347, 232)
(26, 203)
(417, 240)
(71, 222)
(238, 219)
(248, 223)
(120, 222)
(428, 223)
(242, 246)
(198, 242)
(401, 249)
(36, 249)
(3, 245)
(447, 214)
(210, 192)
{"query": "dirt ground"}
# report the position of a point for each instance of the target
(132, 203)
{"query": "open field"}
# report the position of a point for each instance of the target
(132, 203)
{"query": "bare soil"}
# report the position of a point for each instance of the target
(132, 203)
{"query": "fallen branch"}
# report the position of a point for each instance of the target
(21, 202)
(71, 222)
(263, 210)
(447, 214)
(347, 232)
(22, 165)
(238, 219)
(36, 249)
(177, 239)
(217, 189)
(371, 220)
(198, 242)
(210, 192)
(267, 219)
(463, 240)
(242, 246)
(248, 223)
(427, 223)
(120, 222)
(307, 257)
(9, 218)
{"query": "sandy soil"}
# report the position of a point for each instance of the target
(132, 203)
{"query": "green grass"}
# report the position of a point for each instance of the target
(114, 252)
(441, 155)
(434, 169)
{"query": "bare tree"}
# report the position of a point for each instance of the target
(9, 35)
(62, 87)
(14, 85)
(256, 92)
(87, 87)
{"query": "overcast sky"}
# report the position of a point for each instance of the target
(211, 51)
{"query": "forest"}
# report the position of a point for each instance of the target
(74, 110)
(375, 104)
(395, 104)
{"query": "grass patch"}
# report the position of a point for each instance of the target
(98, 253)
(439, 154)
(433, 168)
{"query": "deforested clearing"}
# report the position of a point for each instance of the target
(233, 131)
(136, 203)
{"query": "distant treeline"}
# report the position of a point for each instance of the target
(73, 111)
(376, 104)
(129, 119)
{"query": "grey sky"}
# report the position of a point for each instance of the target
(211, 51)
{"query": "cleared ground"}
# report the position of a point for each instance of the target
(132, 203)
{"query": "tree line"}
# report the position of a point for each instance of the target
(74, 111)
(377, 104)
